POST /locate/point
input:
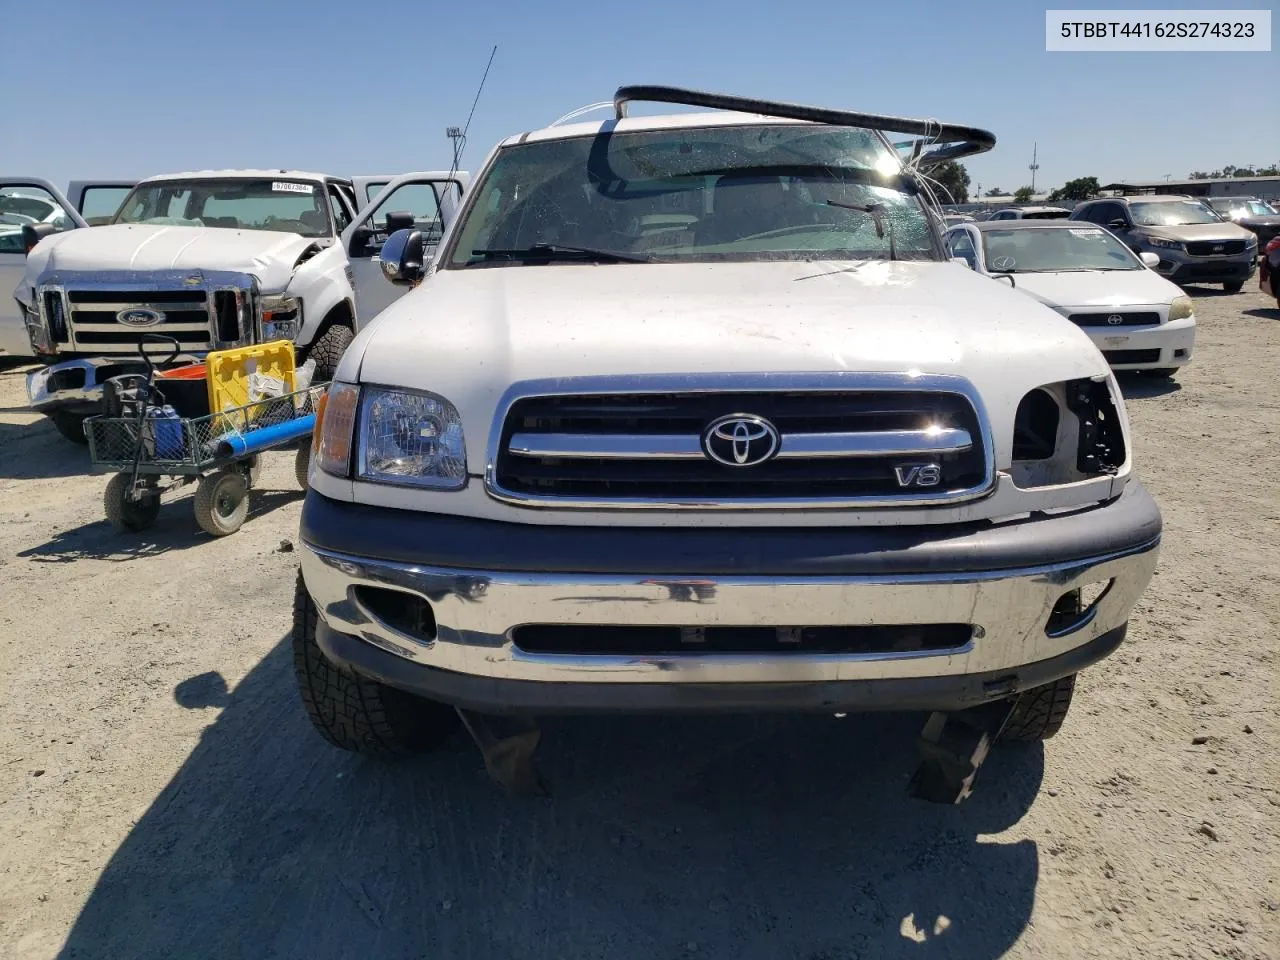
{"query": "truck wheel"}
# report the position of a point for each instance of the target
(328, 349)
(302, 463)
(1233, 287)
(129, 516)
(353, 712)
(1040, 711)
(70, 425)
(222, 502)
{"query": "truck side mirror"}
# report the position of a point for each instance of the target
(33, 233)
(403, 258)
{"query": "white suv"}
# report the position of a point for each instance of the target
(693, 412)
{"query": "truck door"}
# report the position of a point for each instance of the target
(430, 199)
(98, 200)
(25, 200)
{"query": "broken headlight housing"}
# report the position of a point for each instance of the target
(1067, 432)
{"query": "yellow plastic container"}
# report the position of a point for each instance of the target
(230, 373)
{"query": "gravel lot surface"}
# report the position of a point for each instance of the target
(161, 794)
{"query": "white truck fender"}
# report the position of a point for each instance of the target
(323, 284)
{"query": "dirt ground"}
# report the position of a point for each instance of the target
(161, 794)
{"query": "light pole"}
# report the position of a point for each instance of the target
(454, 134)
(1033, 167)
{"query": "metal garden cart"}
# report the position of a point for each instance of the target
(153, 450)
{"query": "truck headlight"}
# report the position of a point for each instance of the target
(1163, 244)
(1067, 432)
(412, 438)
(1252, 241)
(1181, 308)
(281, 318)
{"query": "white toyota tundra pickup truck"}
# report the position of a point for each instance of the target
(214, 259)
(693, 412)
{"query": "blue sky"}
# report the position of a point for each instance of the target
(137, 87)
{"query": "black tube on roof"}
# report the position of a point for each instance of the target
(958, 141)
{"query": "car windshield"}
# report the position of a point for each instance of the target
(1171, 213)
(289, 206)
(1055, 249)
(1242, 208)
(32, 208)
(761, 192)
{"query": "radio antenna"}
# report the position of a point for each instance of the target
(460, 138)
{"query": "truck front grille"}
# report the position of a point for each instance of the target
(1215, 248)
(95, 322)
(652, 448)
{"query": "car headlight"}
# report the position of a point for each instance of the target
(1252, 241)
(1164, 244)
(281, 318)
(1067, 432)
(1181, 308)
(410, 437)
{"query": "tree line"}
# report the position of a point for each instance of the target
(954, 179)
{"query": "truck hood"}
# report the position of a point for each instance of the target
(469, 334)
(265, 254)
(1098, 288)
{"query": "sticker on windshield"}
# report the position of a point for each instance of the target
(1076, 232)
(281, 186)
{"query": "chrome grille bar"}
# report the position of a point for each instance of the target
(606, 446)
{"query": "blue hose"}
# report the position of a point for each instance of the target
(234, 446)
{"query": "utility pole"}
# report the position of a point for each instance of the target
(454, 134)
(1034, 166)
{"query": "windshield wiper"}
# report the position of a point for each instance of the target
(556, 251)
(876, 212)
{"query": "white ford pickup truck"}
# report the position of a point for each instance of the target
(693, 412)
(214, 259)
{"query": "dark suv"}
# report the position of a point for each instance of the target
(1193, 243)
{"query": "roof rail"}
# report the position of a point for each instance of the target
(960, 141)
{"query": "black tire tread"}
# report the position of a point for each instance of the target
(1040, 711)
(327, 349)
(352, 712)
(70, 426)
(302, 464)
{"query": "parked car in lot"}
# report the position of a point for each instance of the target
(1138, 319)
(1193, 244)
(1269, 272)
(1250, 213)
(692, 412)
(215, 259)
(1031, 213)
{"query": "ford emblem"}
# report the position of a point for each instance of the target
(140, 317)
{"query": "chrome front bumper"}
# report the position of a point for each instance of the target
(476, 610)
(77, 384)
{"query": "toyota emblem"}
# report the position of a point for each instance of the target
(740, 440)
(1115, 319)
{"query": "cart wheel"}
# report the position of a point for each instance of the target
(222, 502)
(302, 463)
(126, 515)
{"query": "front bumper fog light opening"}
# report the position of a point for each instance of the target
(406, 613)
(1076, 608)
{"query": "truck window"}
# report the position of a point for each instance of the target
(99, 204)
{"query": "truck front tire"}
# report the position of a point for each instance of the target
(355, 713)
(328, 348)
(70, 425)
(1040, 711)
